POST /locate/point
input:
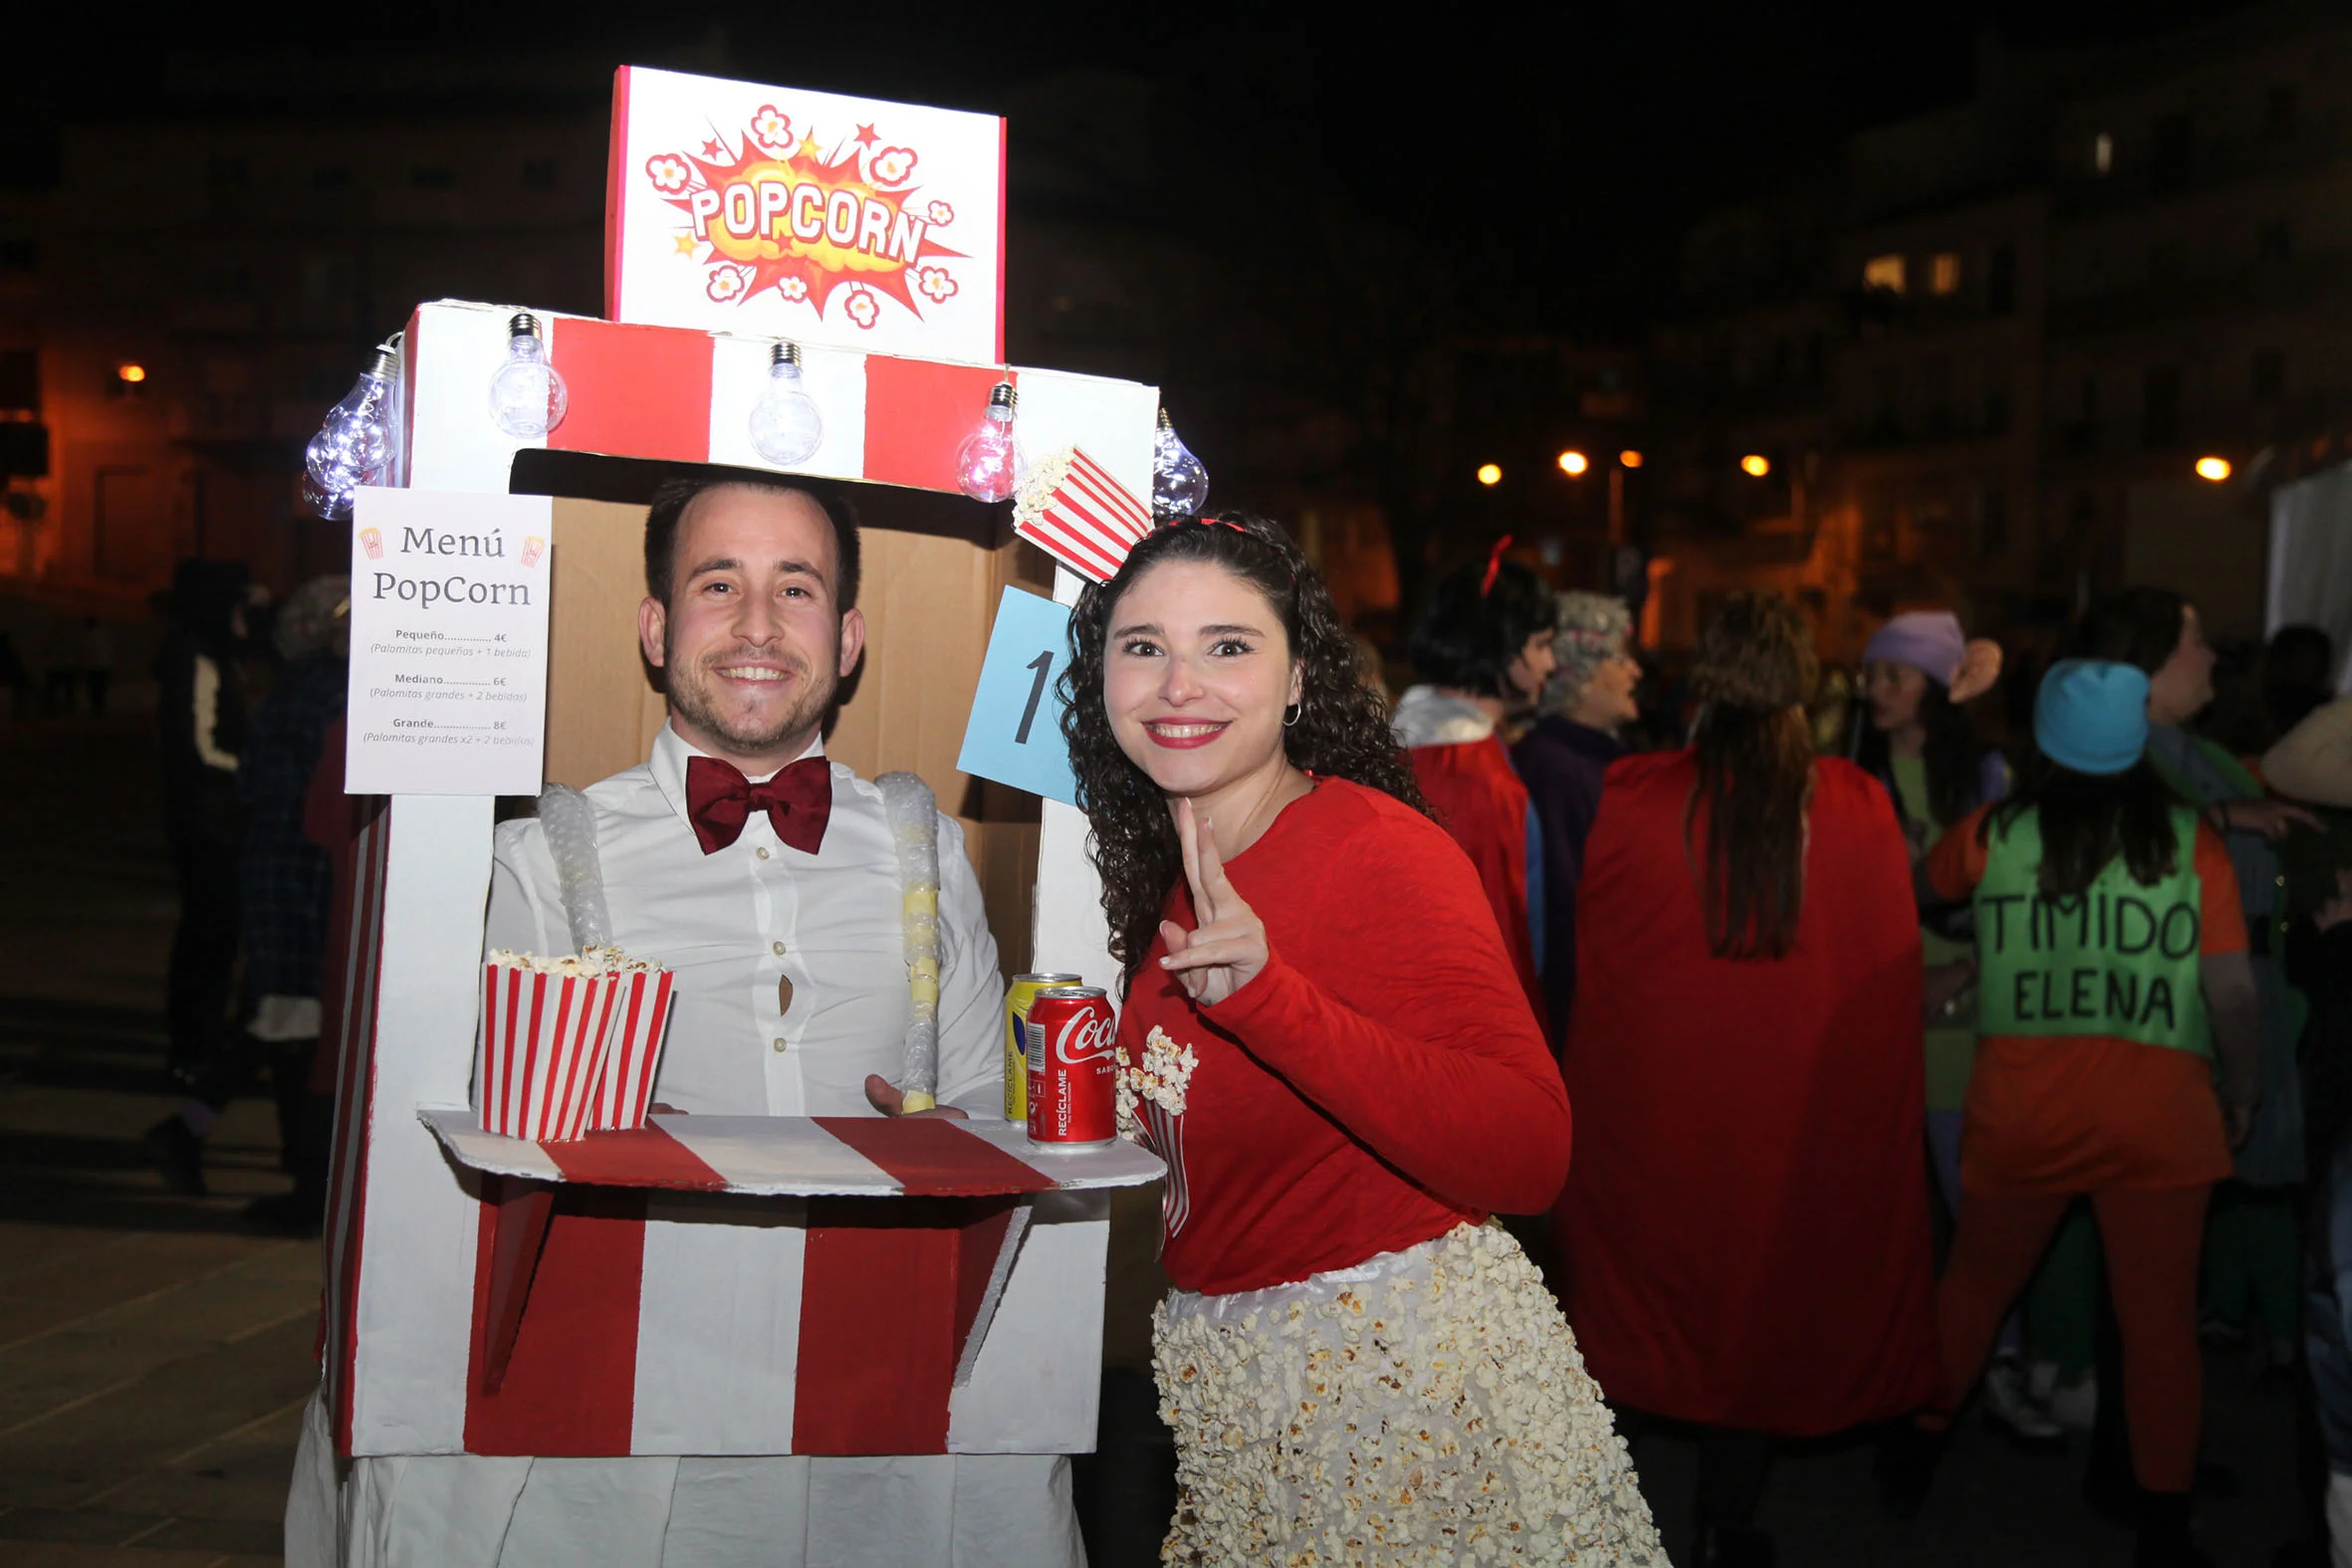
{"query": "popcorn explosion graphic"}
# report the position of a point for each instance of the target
(779, 213)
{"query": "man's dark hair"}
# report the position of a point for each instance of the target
(675, 495)
(1474, 629)
(2138, 626)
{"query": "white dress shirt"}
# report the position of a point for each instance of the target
(735, 924)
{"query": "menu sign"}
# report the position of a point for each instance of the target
(450, 643)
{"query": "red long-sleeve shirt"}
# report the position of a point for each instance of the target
(1379, 1082)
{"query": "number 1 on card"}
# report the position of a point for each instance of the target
(1044, 665)
(1015, 733)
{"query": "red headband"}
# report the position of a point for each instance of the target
(1243, 533)
(1494, 566)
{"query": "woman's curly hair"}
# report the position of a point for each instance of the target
(1341, 729)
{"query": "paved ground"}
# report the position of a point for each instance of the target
(153, 1357)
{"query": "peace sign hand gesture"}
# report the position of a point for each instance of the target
(1227, 948)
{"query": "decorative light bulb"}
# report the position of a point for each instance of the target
(786, 426)
(1179, 484)
(527, 398)
(354, 446)
(986, 465)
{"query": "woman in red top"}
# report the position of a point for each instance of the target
(1744, 1242)
(1324, 1039)
(1483, 649)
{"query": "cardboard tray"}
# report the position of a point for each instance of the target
(799, 1156)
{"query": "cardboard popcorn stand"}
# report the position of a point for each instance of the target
(704, 1285)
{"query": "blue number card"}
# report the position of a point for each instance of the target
(1015, 736)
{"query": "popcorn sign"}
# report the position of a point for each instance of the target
(775, 212)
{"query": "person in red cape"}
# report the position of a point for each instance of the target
(1743, 1239)
(1483, 650)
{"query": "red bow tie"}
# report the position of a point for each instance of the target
(798, 800)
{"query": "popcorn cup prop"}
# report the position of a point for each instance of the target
(632, 1049)
(544, 1031)
(1070, 506)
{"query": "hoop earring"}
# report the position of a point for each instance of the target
(1292, 713)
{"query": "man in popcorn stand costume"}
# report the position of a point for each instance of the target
(767, 878)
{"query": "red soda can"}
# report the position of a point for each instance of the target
(1073, 1069)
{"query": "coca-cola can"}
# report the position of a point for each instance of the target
(1072, 1068)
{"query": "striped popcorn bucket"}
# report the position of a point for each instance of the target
(542, 1051)
(632, 1049)
(1071, 508)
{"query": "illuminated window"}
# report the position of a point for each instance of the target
(1883, 272)
(1944, 273)
(2103, 153)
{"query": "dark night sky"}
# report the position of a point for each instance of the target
(1566, 147)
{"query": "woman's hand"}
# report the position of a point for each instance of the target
(2272, 819)
(1228, 949)
(1978, 669)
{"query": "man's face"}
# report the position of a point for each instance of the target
(753, 641)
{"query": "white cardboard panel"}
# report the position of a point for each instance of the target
(416, 1268)
(731, 1270)
(835, 377)
(454, 352)
(1069, 934)
(1114, 420)
(1037, 1384)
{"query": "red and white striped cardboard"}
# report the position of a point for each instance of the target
(405, 1226)
(686, 396)
(613, 1369)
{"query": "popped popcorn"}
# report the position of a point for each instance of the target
(1161, 1078)
(587, 963)
(1425, 1407)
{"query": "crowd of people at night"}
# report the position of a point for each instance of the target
(1909, 1070)
(1564, 1052)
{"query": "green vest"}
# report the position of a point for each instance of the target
(2120, 961)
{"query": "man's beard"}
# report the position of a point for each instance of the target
(691, 695)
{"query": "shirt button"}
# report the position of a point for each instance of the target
(762, 853)
(778, 946)
(780, 1043)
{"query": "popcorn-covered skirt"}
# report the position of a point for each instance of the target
(1426, 1405)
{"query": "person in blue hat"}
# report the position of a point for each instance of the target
(2112, 951)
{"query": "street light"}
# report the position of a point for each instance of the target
(1629, 458)
(2216, 469)
(1490, 473)
(1755, 465)
(1573, 463)
(131, 375)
